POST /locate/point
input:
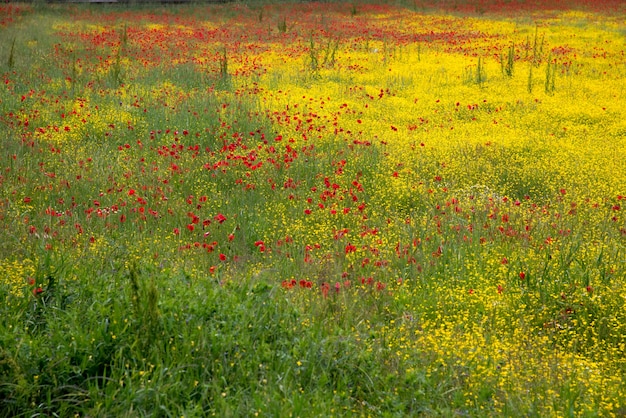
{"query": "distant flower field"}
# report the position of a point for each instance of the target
(313, 209)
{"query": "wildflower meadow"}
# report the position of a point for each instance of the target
(257, 208)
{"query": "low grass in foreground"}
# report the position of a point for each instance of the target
(313, 209)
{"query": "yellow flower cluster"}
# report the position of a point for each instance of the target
(17, 275)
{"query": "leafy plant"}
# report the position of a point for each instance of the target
(11, 59)
(507, 64)
(282, 25)
(550, 75)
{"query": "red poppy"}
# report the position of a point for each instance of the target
(325, 288)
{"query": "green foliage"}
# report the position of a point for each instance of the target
(282, 24)
(223, 64)
(323, 54)
(11, 59)
(507, 67)
(353, 10)
(550, 75)
(476, 75)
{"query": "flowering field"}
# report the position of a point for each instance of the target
(313, 209)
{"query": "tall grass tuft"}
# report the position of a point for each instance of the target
(326, 50)
(144, 298)
(330, 52)
(11, 59)
(313, 55)
(117, 75)
(550, 75)
(506, 64)
(282, 24)
(223, 60)
(537, 48)
(476, 75)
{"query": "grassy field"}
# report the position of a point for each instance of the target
(313, 209)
